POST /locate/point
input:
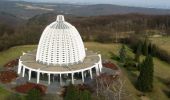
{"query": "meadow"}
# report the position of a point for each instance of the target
(162, 42)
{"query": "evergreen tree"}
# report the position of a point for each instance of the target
(85, 95)
(145, 48)
(152, 49)
(138, 52)
(145, 79)
(71, 93)
(122, 54)
(34, 94)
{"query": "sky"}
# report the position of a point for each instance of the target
(165, 4)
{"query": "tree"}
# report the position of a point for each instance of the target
(71, 93)
(85, 95)
(145, 79)
(145, 47)
(122, 54)
(138, 52)
(109, 88)
(34, 94)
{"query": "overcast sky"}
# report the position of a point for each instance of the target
(139, 3)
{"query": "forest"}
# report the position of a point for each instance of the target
(104, 29)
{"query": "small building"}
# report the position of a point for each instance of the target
(60, 53)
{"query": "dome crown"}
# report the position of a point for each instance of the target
(60, 18)
(60, 43)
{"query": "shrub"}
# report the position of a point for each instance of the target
(131, 65)
(34, 94)
(85, 95)
(122, 54)
(145, 79)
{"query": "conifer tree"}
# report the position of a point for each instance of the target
(122, 54)
(138, 52)
(145, 79)
(71, 93)
(145, 48)
(34, 94)
(85, 95)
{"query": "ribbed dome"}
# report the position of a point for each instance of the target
(60, 43)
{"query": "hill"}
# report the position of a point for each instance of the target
(27, 10)
(10, 19)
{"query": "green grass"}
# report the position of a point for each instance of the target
(4, 94)
(162, 69)
(14, 53)
(162, 42)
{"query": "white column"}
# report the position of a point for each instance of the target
(72, 78)
(97, 70)
(19, 67)
(38, 77)
(23, 71)
(60, 79)
(48, 78)
(82, 76)
(29, 75)
(99, 67)
(85, 74)
(91, 74)
(100, 63)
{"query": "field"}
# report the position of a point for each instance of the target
(162, 42)
(161, 71)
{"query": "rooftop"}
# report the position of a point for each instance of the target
(29, 60)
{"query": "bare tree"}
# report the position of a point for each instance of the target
(110, 88)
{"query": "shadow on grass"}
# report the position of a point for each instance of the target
(167, 83)
(114, 57)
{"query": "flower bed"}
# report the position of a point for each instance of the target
(110, 65)
(25, 88)
(11, 63)
(7, 76)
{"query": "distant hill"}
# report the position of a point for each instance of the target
(9, 19)
(26, 10)
(20, 9)
(108, 9)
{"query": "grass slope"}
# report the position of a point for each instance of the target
(162, 42)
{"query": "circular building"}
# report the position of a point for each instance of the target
(60, 53)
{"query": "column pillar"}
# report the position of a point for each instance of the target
(60, 79)
(97, 70)
(19, 67)
(100, 63)
(99, 67)
(48, 78)
(23, 71)
(29, 75)
(38, 77)
(91, 74)
(72, 78)
(82, 76)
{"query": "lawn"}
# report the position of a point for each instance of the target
(162, 42)
(14, 53)
(162, 69)
(4, 94)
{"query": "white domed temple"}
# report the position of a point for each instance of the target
(60, 53)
